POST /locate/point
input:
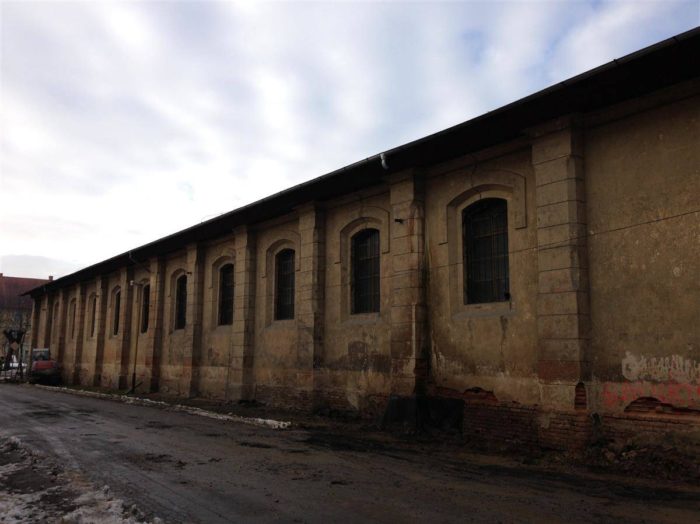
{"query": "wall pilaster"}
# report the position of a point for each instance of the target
(80, 309)
(150, 371)
(311, 294)
(189, 378)
(101, 287)
(563, 321)
(125, 277)
(241, 379)
(408, 304)
(61, 328)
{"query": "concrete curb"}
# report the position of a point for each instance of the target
(262, 422)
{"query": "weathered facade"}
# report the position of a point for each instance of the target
(538, 264)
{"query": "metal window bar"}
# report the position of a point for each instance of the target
(117, 307)
(226, 295)
(284, 296)
(181, 302)
(145, 307)
(93, 314)
(365, 281)
(485, 230)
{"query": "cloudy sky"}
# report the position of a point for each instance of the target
(124, 122)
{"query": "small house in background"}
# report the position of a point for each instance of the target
(15, 307)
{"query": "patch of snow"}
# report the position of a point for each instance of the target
(254, 421)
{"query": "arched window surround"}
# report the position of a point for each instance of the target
(456, 247)
(379, 222)
(270, 276)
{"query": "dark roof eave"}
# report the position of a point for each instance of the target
(673, 61)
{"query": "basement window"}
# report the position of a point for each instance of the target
(485, 233)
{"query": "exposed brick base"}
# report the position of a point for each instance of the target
(514, 424)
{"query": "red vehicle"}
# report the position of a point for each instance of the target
(44, 368)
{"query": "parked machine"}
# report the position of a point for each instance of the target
(44, 369)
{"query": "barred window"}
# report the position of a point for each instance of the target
(116, 306)
(364, 247)
(180, 302)
(145, 307)
(71, 312)
(485, 230)
(226, 295)
(93, 314)
(284, 289)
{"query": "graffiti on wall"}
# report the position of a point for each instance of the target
(675, 369)
(673, 380)
(618, 395)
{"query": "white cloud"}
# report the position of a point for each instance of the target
(124, 122)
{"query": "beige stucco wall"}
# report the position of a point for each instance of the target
(488, 346)
(355, 364)
(276, 342)
(643, 185)
(604, 243)
(175, 341)
(216, 340)
(86, 364)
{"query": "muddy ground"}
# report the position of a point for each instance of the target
(185, 468)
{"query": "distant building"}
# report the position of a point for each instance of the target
(15, 306)
(537, 266)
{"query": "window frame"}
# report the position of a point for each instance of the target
(369, 302)
(145, 307)
(92, 304)
(116, 313)
(71, 316)
(180, 302)
(485, 252)
(225, 305)
(285, 269)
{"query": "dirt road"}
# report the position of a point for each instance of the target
(184, 468)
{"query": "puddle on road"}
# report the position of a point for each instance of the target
(249, 444)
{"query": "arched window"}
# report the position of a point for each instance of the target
(116, 306)
(145, 307)
(226, 295)
(364, 247)
(485, 233)
(93, 314)
(55, 327)
(71, 313)
(181, 302)
(284, 288)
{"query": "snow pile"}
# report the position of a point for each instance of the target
(230, 417)
(33, 488)
(100, 506)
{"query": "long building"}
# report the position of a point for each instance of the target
(537, 267)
